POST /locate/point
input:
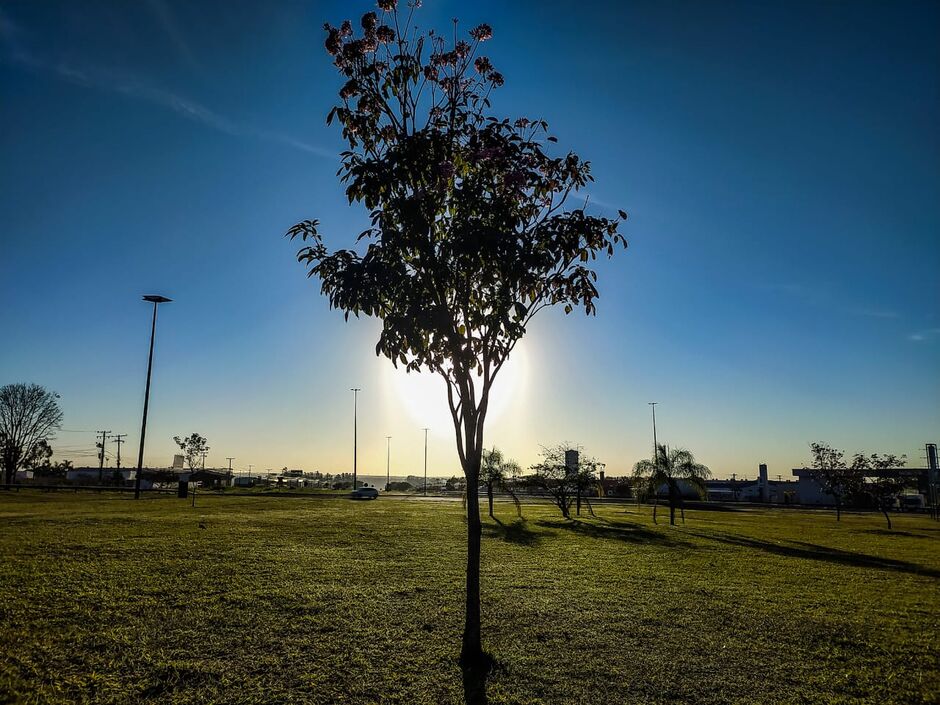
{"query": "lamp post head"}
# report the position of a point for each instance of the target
(157, 299)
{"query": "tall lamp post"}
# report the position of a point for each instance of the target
(388, 462)
(355, 391)
(425, 462)
(156, 301)
(655, 443)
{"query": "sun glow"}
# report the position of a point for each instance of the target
(424, 396)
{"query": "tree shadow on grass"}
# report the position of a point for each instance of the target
(476, 676)
(604, 529)
(517, 532)
(892, 532)
(815, 552)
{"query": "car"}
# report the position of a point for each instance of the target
(365, 493)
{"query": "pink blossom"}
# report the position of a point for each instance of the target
(482, 65)
(482, 32)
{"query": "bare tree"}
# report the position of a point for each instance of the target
(193, 447)
(886, 483)
(563, 482)
(29, 416)
(833, 476)
(497, 473)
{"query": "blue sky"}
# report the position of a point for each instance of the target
(780, 162)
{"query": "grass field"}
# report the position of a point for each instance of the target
(315, 600)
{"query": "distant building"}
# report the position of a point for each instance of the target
(91, 474)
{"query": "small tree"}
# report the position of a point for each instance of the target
(562, 482)
(469, 236)
(29, 416)
(194, 447)
(497, 473)
(670, 468)
(885, 484)
(833, 476)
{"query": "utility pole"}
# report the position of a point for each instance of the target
(229, 464)
(204, 454)
(425, 462)
(119, 439)
(355, 391)
(249, 469)
(104, 438)
(388, 462)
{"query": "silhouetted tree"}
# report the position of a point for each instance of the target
(29, 416)
(670, 468)
(468, 239)
(497, 473)
(886, 483)
(833, 476)
(193, 448)
(562, 482)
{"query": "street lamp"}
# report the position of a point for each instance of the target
(425, 462)
(388, 461)
(156, 301)
(355, 391)
(653, 404)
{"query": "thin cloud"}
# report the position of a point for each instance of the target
(134, 88)
(876, 313)
(924, 335)
(167, 20)
(817, 297)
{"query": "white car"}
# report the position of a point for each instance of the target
(365, 493)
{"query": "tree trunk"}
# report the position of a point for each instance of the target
(838, 510)
(887, 518)
(672, 506)
(471, 651)
(655, 504)
(489, 497)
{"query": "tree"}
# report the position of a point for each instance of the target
(497, 473)
(29, 416)
(886, 483)
(670, 468)
(833, 476)
(193, 447)
(469, 235)
(563, 482)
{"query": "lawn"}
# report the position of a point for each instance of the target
(317, 600)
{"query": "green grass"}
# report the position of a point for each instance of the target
(315, 600)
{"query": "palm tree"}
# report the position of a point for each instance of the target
(496, 473)
(668, 468)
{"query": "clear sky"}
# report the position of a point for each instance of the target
(780, 162)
